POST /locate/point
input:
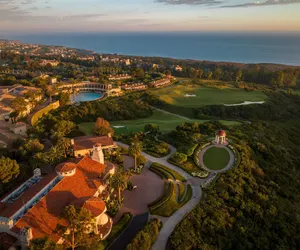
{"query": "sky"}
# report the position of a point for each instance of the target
(38, 16)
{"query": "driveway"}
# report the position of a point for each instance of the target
(149, 187)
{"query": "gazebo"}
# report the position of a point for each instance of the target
(220, 137)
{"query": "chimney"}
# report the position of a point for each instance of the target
(109, 135)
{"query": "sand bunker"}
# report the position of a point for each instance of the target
(244, 103)
(119, 126)
(187, 95)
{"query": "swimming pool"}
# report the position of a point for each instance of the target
(86, 96)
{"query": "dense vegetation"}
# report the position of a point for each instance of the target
(146, 237)
(280, 106)
(255, 205)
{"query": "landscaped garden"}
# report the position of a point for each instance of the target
(216, 158)
(175, 195)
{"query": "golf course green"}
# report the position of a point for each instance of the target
(166, 123)
(193, 96)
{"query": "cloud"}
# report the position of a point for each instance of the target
(263, 3)
(189, 2)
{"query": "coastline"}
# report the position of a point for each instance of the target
(208, 48)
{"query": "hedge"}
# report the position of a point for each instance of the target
(167, 195)
(172, 172)
(44, 111)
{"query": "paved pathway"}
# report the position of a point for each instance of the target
(169, 223)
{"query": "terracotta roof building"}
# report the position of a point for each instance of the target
(36, 212)
(83, 145)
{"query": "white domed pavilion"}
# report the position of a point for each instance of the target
(220, 137)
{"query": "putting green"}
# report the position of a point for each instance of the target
(193, 96)
(166, 123)
(216, 158)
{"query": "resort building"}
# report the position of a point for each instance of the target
(52, 80)
(9, 93)
(178, 68)
(84, 145)
(134, 86)
(53, 63)
(119, 77)
(220, 137)
(159, 83)
(33, 210)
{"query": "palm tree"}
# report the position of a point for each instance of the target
(135, 150)
(119, 182)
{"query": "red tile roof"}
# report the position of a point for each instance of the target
(9, 209)
(65, 167)
(94, 204)
(44, 216)
(87, 142)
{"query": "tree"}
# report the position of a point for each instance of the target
(119, 181)
(200, 73)
(62, 128)
(135, 150)
(64, 98)
(74, 225)
(102, 127)
(238, 75)
(218, 73)
(209, 75)
(13, 116)
(31, 147)
(9, 169)
(19, 105)
(151, 128)
(43, 244)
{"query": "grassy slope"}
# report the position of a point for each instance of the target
(166, 123)
(216, 158)
(175, 95)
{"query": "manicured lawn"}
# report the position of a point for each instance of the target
(216, 158)
(176, 95)
(170, 172)
(166, 123)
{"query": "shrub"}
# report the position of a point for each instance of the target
(187, 149)
(169, 171)
(168, 191)
(178, 158)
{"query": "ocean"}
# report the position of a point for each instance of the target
(279, 48)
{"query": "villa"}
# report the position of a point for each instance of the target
(9, 93)
(84, 145)
(119, 77)
(159, 83)
(134, 86)
(33, 210)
